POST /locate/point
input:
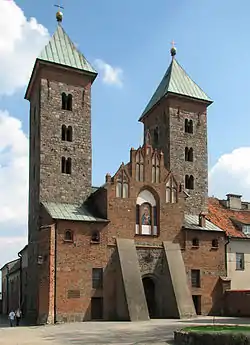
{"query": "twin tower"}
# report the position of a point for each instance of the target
(59, 92)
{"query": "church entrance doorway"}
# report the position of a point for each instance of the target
(149, 289)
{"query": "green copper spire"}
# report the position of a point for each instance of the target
(176, 81)
(61, 50)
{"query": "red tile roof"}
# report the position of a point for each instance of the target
(221, 216)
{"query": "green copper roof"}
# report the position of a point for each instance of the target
(61, 50)
(70, 212)
(178, 82)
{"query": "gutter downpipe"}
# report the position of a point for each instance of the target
(55, 275)
(226, 244)
(21, 282)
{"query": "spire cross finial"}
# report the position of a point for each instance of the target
(173, 44)
(59, 15)
(173, 49)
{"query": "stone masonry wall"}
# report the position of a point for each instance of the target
(54, 185)
(170, 117)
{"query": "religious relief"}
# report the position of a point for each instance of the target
(146, 217)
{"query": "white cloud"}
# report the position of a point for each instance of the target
(21, 41)
(13, 173)
(231, 174)
(14, 245)
(110, 75)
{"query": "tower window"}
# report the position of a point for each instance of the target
(189, 154)
(69, 133)
(69, 102)
(66, 101)
(189, 126)
(63, 132)
(66, 165)
(189, 182)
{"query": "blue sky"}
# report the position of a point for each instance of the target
(212, 40)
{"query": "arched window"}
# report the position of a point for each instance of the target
(63, 132)
(171, 191)
(139, 173)
(68, 236)
(69, 102)
(63, 165)
(155, 169)
(188, 126)
(189, 182)
(215, 243)
(122, 185)
(68, 166)
(95, 237)
(69, 133)
(64, 101)
(146, 214)
(186, 153)
(195, 242)
(83, 97)
(125, 190)
(190, 155)
(118, 189)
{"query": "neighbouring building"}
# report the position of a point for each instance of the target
(233, 216)
(10, 286)
(139, 246)
(23, 254)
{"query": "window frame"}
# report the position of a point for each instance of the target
(97, 282)
(71, 239)
(195, 280)
(240, 265)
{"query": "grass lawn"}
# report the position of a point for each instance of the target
(217, 328)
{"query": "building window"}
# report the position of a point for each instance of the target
(189, 154)
(196, 278)
(246, 229)
(95, 237)
(97, 278)
(195, 242)
(171, 191)
(66, 165)
(68, 236)
(215, 243)
(83, 97)
(64, 129)
(139, 169)
(189, 126)
(122, 185)
(66, 101)
(189, 182)
(155, 169)
(240, 261)
(146, 214)
(69, 133)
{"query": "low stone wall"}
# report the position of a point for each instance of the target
(213, 338)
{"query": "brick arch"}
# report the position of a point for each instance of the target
(152, 191)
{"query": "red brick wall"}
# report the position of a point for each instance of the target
(237, 303)
(211, 263)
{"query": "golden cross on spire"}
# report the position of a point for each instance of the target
(59, 14)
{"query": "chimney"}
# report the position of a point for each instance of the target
(234, 201)
(202, 220)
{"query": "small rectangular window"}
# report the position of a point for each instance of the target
(97, 278)
(196, 278)
(240, 261)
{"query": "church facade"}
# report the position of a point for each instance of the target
(140, 246)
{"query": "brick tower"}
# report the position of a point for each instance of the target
(59, 92)
(176, 117)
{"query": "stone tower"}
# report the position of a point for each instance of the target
(176, 117)
(59, 92)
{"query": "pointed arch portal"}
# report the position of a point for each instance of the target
(149, 289)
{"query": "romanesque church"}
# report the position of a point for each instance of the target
(139, 246)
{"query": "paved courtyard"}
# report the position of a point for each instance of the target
(120, 333)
